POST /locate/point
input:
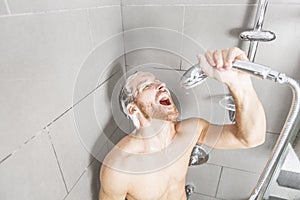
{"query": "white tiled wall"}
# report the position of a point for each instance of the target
(67, 144)
(99, 17)
(236, 184)
(40, 56)
(45, 46)
(29, 172)
(56, 54)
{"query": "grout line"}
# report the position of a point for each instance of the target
(273, 133)
(93, 90)
(123, 35)
(57, 161)
(90, 28)
(219, 181)
(195, 4)
(21, 146)
(161, 68)
(238, 169)
(181, 41)
(54, 11)
(242, 170)
(55, 119)
(77, 181)
(206, 195)
(7, 6)
(6, 158)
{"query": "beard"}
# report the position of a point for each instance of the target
(168, 113)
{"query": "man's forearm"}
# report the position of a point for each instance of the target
(250, 115)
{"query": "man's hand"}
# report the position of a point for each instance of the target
(250, 127)
(217, 64)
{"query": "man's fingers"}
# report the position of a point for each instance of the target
(235, 53)
(217, 56)
(227, 64)
(209, 58)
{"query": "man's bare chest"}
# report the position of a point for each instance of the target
(160, 184)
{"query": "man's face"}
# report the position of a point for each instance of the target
(152, 97)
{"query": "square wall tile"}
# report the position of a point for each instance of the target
(100, 64)
(88, 186)
(38, 69)
(218, 26)
(236, 184)
(166, 17)
(154, 38)
(32, 172)
(204, 178)
(71, 152)
(155, 56)
(44, 5)
(105, 22)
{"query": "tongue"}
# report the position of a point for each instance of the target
(165, 102)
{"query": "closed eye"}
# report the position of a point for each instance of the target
(146, 87)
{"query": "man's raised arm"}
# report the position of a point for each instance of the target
(250, 127)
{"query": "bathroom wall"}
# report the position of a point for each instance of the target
(48, 68)
(60, 66)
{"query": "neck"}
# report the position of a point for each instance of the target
(157, 134)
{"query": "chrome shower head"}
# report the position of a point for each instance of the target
(192, 77)
(195, 75)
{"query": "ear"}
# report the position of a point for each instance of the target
(132, 108)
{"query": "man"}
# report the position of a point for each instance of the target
(127, 173)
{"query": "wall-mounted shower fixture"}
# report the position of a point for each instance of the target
(189, 190)
(254, 36)
(257, 34)
(198, 155)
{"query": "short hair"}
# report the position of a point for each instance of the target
(126, 96)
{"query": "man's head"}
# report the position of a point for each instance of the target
(144, 98)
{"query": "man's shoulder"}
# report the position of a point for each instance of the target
(122, 151)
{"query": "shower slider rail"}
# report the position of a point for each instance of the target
(282, 142)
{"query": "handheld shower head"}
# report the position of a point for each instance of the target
(192, 77)
(195, 75)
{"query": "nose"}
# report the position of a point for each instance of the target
(161, 86)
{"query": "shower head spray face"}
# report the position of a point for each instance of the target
(192, 77)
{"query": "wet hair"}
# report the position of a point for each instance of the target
(126, 97)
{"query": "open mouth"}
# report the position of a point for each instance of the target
(165, 101)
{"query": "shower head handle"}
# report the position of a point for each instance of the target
(252, 68)
(195, 75)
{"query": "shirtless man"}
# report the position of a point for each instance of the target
(148, 103)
